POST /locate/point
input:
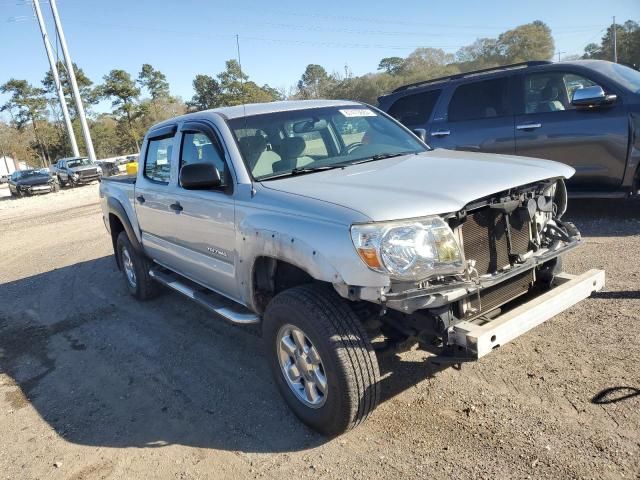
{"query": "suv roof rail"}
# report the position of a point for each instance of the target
(531, 63)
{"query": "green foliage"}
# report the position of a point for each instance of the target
(628, 40)
(154, 81)
(26, 103)
(391, 65)
(88, 94)
(207, 93)
(232, 87)
(313, 83)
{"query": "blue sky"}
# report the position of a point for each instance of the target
(277, 39)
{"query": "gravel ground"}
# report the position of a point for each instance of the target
(94, 385)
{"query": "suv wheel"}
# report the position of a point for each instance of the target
(321, 358)
(135, 268)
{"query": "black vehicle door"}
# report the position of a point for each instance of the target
(592, 140)
(478, 118)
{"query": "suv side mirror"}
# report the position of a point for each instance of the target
(199, 176)
(421, 133)
(591, 97)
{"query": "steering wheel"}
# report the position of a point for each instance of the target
(353, 147)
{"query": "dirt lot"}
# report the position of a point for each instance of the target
(94, 385)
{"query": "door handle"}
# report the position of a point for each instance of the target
(528, 126)
(176, 207)
(140, 199)
(441, 133)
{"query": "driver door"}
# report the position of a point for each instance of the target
(591, 140)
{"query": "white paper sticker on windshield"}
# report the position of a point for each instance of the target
(358, 112)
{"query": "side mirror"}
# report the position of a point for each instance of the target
(591, 97)
(421, 133)
(199, 176)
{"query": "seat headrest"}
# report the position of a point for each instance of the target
(549, 93)
(292, 147)
(252, 147)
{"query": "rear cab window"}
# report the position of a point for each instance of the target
(157, 164)
(481, 100)
(416, 109)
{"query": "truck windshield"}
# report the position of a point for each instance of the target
(624, 75)
(285, 143)
(78, 162)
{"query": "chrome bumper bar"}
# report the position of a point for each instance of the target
(479, 339)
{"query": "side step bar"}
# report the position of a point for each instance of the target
(216, 303)
(478, 339)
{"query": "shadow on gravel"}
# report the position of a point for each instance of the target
(615, 395)
(105, 370)
(605, 217)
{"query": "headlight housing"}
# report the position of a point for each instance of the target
(409, 250)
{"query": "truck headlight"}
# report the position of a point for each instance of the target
(409, 250)
(75, 176)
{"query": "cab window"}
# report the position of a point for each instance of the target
(552, 92)
(198, 147)
(157, 164)
(481, 100)
(415, 110)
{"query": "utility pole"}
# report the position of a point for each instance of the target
(56, 79)
(560, 53)
(615, 41)
(74, 84)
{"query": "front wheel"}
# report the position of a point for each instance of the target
(135, 268)
(321, 358)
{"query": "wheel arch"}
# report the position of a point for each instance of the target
(118, 222)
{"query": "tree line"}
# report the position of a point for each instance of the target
(36, 132)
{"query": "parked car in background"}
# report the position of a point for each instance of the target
(30, 182)
(584, 113)
(329, 224)
(76, 171)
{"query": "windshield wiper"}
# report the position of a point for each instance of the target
(381, 156)
(303, 170)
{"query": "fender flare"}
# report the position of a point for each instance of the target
(115, 208)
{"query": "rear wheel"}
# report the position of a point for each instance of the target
(321, 358)
(135, 268)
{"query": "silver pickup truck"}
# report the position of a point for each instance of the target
(342, 235)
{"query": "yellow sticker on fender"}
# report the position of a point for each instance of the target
(358, 112)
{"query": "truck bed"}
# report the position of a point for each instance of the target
(120, 179)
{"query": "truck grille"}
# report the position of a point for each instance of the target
(88, 173)
(484, 236)
(498, 295)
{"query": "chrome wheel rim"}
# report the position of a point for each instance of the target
(127, 264)
(302, 366)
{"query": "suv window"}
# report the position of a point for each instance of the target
(414, 110)
(479, 100)
(199, 148)
(552, 92)
(157, 164)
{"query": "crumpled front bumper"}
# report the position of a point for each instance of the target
(479, 337)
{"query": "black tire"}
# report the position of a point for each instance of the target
(348, 360)
(62, 182)
(547, 273)
(143, 287)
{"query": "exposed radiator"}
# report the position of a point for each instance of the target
(484, 237)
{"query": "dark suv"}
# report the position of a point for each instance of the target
(583, 113)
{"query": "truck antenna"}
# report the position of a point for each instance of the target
(241, 75)
(244, 105)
